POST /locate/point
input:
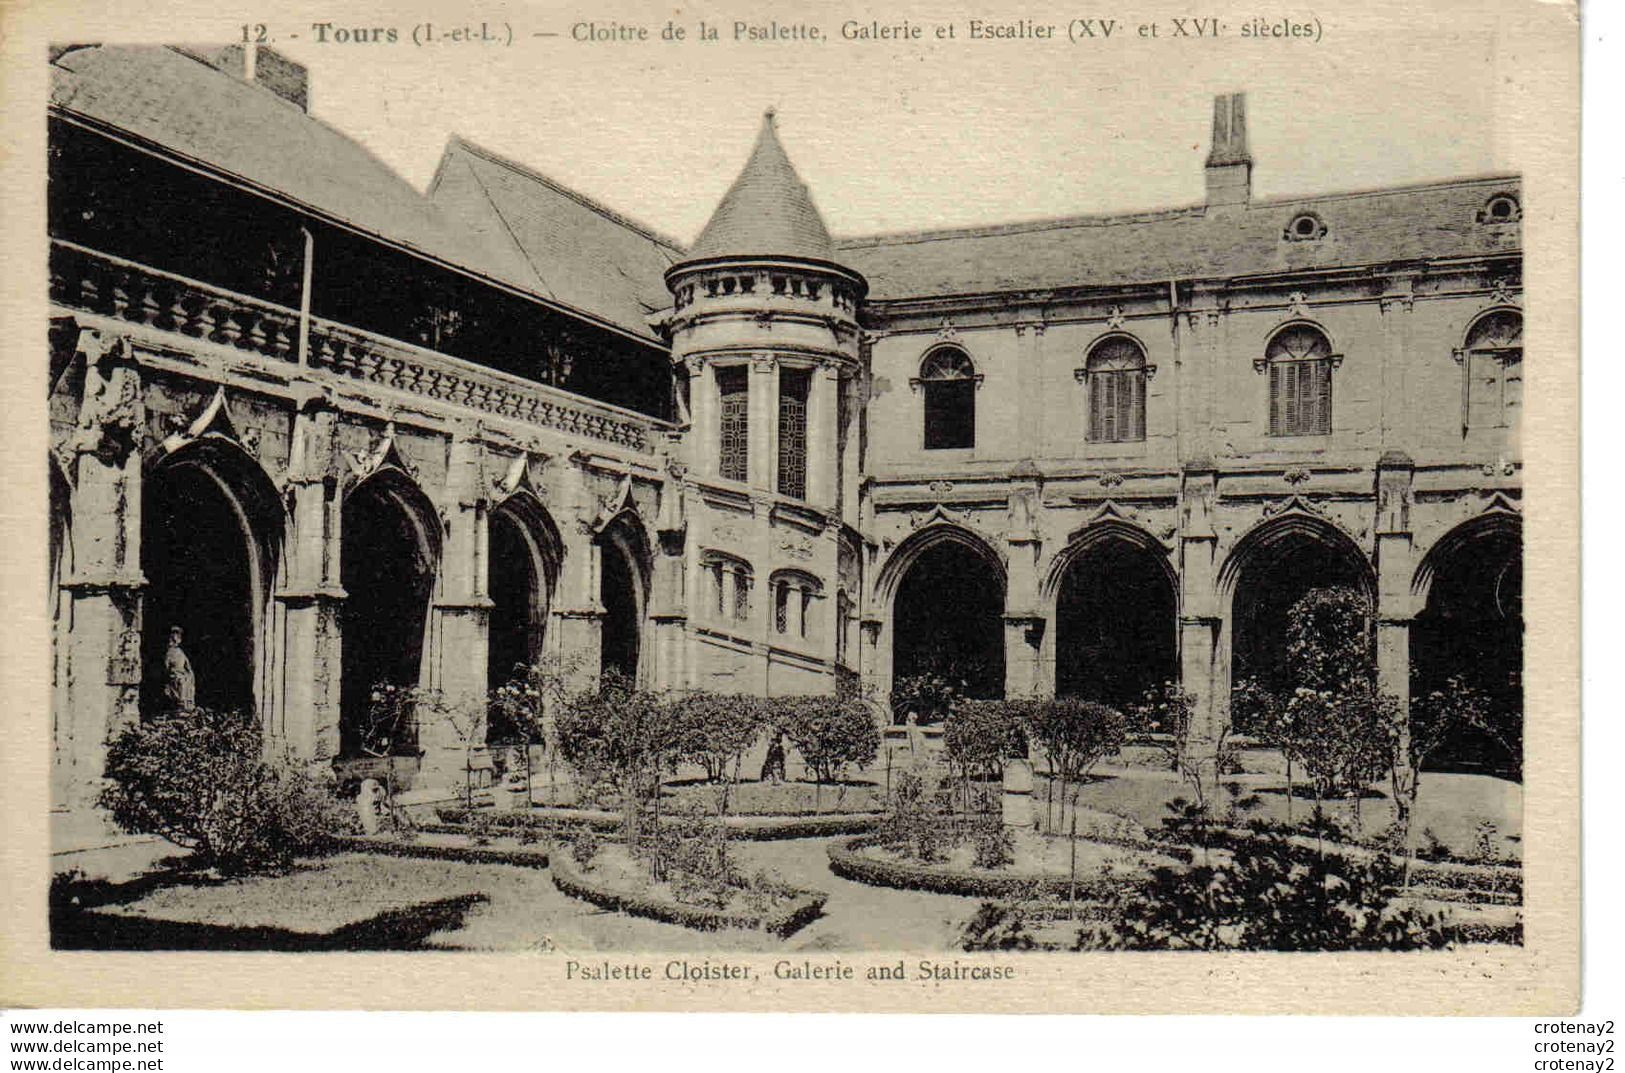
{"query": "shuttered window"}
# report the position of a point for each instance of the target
(1300, 368)
(735, 439)
(1494, 370)
(1116, 376)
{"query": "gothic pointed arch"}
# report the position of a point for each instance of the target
(944, 588)
(1468, 634)
(212, 530)
(389, 559)
(1279, 561)
(523, 563)
(1114, 595)
(626, 569)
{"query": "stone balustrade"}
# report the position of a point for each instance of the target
(85, 279)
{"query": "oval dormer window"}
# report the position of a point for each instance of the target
(1305, 227)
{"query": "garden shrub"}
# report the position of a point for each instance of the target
(1267, 895)
(830, 733)
(584, 848)
(201, 779)
(994, 845)
(997, 926)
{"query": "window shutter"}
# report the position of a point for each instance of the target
(1275, 398)
(1097, 387)
(1324, 396)
(1125, 405)
(1512, 377)
(1289, 392)
(1138, 379)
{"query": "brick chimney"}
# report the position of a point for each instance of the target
(1229, 162)
(280, 75)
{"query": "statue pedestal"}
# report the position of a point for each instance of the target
(1017, 802)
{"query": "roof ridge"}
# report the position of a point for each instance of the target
(1059, 223)
(574, 195)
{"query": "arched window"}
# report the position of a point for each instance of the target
(1300, 363)
(1492, 362)
(728, 581)
(793, 595)
(1115, 374)
(948, 380)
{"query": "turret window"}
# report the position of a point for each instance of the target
(734, 448)
(793, 384)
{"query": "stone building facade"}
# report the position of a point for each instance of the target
(344, 434)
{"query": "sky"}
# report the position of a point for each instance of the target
(905, 136)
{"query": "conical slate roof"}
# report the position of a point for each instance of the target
(767, 212)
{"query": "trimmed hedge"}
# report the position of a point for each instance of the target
(847, 860)
(393, 847)
(747, 828)
(801, 910)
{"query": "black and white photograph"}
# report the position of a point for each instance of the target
(827, 497)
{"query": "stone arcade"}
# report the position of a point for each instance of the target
(341, 433)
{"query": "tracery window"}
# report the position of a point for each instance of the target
(1300, 363)
(948, 380)
(734, 389)
(1116, 374)
(793, 384)
(1493, 366)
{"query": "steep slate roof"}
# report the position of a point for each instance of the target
(767, 212)
(227, 125)
(1376, 227)
(574, 250)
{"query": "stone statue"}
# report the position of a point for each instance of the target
(369, 806)
(773, 765)
(180, 685)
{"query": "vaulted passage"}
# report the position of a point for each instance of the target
(387, 566)
(948, 619)
(207, 552)
(1278, 573)
(1472, 629)
(1115, 624)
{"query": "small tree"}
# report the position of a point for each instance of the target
(389, 728)
(1434, 719)
(619, 736)
(1342, 728)
(201, 779)
(1166, 716)
(830, 733)
(1074, 736)
(715, 730)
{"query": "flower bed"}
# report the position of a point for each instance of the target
(749, 828)
(795, 909)
(446, 850)
(864, 860)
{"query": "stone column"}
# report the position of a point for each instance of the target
(1396, 306)
(822, 448)
(704, 417)
(1023, 617)
(1200, 619)
(1395, 563)
(669, 598)
(459, 640)
(764, 422)
(311, 595)
(576, 632)
(102, 457)
(851, 443)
